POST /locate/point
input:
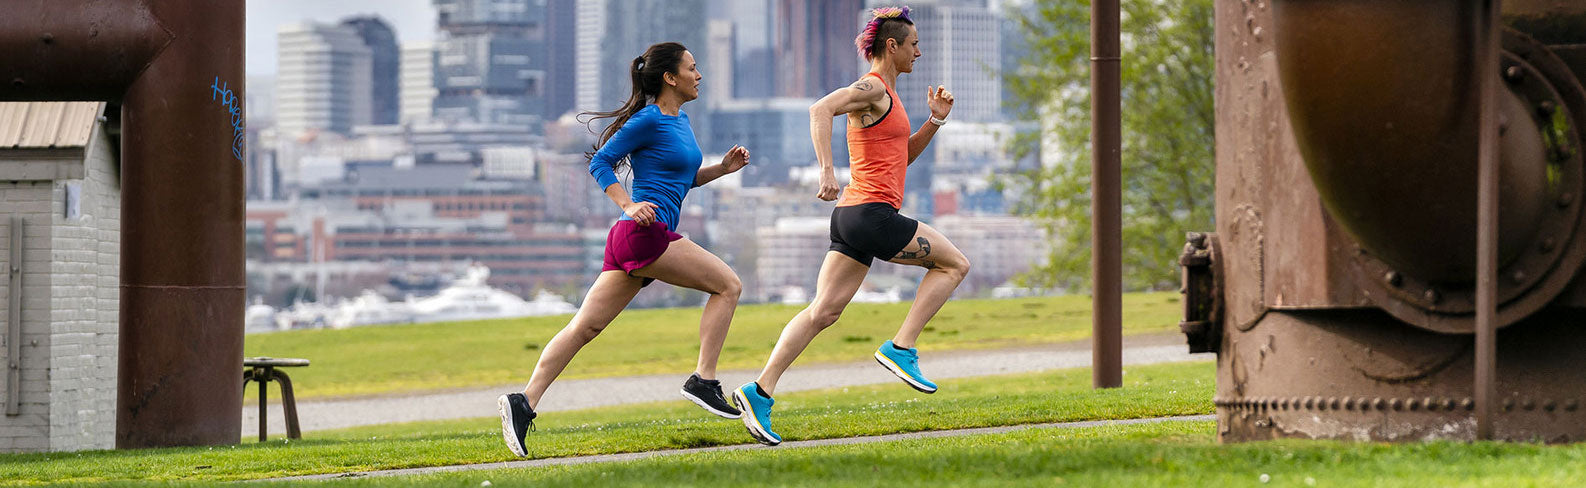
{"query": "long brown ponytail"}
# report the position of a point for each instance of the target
(646, 72)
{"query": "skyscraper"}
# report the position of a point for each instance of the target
(323, 79)
(815, 46)
(561, 70)
(490, 61)
(418, 81)
(383, 56)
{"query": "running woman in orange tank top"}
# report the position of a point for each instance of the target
(866, 224)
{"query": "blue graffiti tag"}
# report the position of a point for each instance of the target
(239, 131)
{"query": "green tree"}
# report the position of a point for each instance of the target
(1167, 118)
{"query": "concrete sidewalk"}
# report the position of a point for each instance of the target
(589, 393)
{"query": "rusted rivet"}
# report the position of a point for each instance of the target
(47, 38)
(1334, 403)
(1508, 404)
(1393, 278)
(1571, 404)
(1431, 296)
(1379, 403)
(1196, 239)
(1528, 404)
(1549, 405)
(1513, 74)
(1310, 403)
(1547, 244)
(1349, 403)
(1396, 404)
(17, 82)
(1413, 404)
(1566, 198)
(1518, 276)
(1467, 404)
(1546, 107)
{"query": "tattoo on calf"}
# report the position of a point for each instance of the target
(925, 250)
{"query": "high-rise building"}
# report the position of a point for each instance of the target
(815, 46)
(322, 78)
(384, 57)
(418, 81)
(490, 61)
(722, 42)
(561, 68)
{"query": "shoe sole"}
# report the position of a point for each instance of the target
(508, 433)
(750, 422)
(893, 367)
(702, 404)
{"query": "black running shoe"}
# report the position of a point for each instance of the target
(517, 419)
(707, 394)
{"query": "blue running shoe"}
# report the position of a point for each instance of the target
(906, 364)
(757, 410)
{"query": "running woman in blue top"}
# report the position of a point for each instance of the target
(651, 134)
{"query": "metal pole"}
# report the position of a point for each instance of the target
(1487, 47)
(14, 322)
(1106, 205)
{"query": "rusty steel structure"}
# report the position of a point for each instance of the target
(1106, 203)
(175, 67)
(1340, 288)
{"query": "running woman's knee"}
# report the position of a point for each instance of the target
(823, 317)
(730, 287)
(956, 268)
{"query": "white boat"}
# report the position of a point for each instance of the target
(259, 317)
(369, 308)
(469, 298)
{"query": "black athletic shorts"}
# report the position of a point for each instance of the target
(871, 230)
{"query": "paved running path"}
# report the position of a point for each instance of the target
(607, 458)
(589, 393)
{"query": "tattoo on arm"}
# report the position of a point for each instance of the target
(925, 250)
(862, 86)
(867, 120)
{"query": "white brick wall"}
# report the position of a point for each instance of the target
(29, 200)
(71, 308)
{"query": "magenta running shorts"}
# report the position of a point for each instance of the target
(630, 246)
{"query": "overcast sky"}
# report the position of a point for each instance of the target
(413, 20)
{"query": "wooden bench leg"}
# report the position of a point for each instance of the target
(288, 404)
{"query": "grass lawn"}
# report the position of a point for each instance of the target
(405, 358)
(1157, 390)
(1174, 454)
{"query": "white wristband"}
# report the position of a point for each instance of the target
(938, 122)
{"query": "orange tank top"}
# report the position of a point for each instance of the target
(878, 157)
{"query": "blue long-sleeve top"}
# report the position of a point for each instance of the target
(663, 154)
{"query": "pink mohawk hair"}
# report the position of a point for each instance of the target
(867, 37)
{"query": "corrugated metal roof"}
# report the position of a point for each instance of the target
(47, 124)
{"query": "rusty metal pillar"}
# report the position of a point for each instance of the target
(177, 68)
(1106, 214)
(1488, 35)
